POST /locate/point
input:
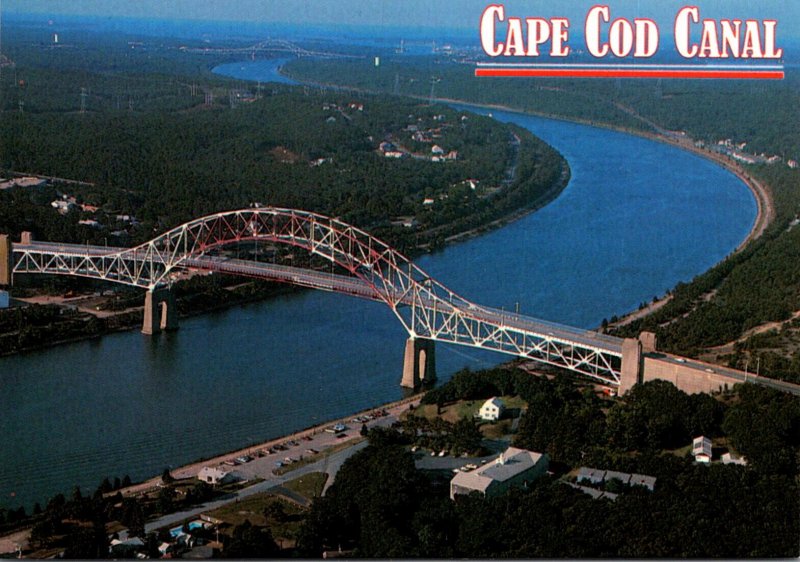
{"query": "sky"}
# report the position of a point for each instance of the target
(462, 14)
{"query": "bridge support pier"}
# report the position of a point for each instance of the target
(160, 312)
(633, 351)
(419, 363)
(6, 262)
(631, 371)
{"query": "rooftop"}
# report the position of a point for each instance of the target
(510, 463)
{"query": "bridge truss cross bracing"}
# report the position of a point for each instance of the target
(425, 307)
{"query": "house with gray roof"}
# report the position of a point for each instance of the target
(591, 475)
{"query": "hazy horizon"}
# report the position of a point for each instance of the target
(463, 15)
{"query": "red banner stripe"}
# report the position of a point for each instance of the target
(629, 73)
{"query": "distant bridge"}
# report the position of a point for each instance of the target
(428, 310)
(272, 46)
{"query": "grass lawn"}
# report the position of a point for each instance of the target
(309, 486)
(496, 430)
(252, 509)
(465, 408)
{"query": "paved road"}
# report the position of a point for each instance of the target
(734, 374)
(323, 465)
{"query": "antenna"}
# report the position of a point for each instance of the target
(433, 88)
(83, 100)
(396, 84)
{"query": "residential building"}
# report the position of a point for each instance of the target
(701, 449)
(591, 475)
(648, 482)
(623, 477)
(727, 458)
(513, 468)
(492, 409)
(596, 476)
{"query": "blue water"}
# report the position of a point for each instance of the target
(265, 70)
(637, 217)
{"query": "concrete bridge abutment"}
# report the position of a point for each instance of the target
(160, 312)
(419, 363)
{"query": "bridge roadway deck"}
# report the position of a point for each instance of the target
(355, 287)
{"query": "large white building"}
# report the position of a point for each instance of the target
(492, 409)
(514, 467)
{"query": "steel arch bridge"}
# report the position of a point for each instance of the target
(426, 308)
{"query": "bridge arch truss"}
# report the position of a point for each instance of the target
(425, 307)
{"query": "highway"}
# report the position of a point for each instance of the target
(734, 374)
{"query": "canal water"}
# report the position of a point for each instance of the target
(637, 217)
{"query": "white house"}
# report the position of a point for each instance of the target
(216, 475)
(731, 458)
(492, 409)
(701, 449)
(514, 467)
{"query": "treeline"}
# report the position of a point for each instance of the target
(381, 506)
(37, 325)
(760, 114)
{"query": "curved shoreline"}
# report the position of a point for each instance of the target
(765, 212)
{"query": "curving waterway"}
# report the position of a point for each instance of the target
(637, 217)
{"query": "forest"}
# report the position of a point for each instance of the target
(382, 506)
(283, 148)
